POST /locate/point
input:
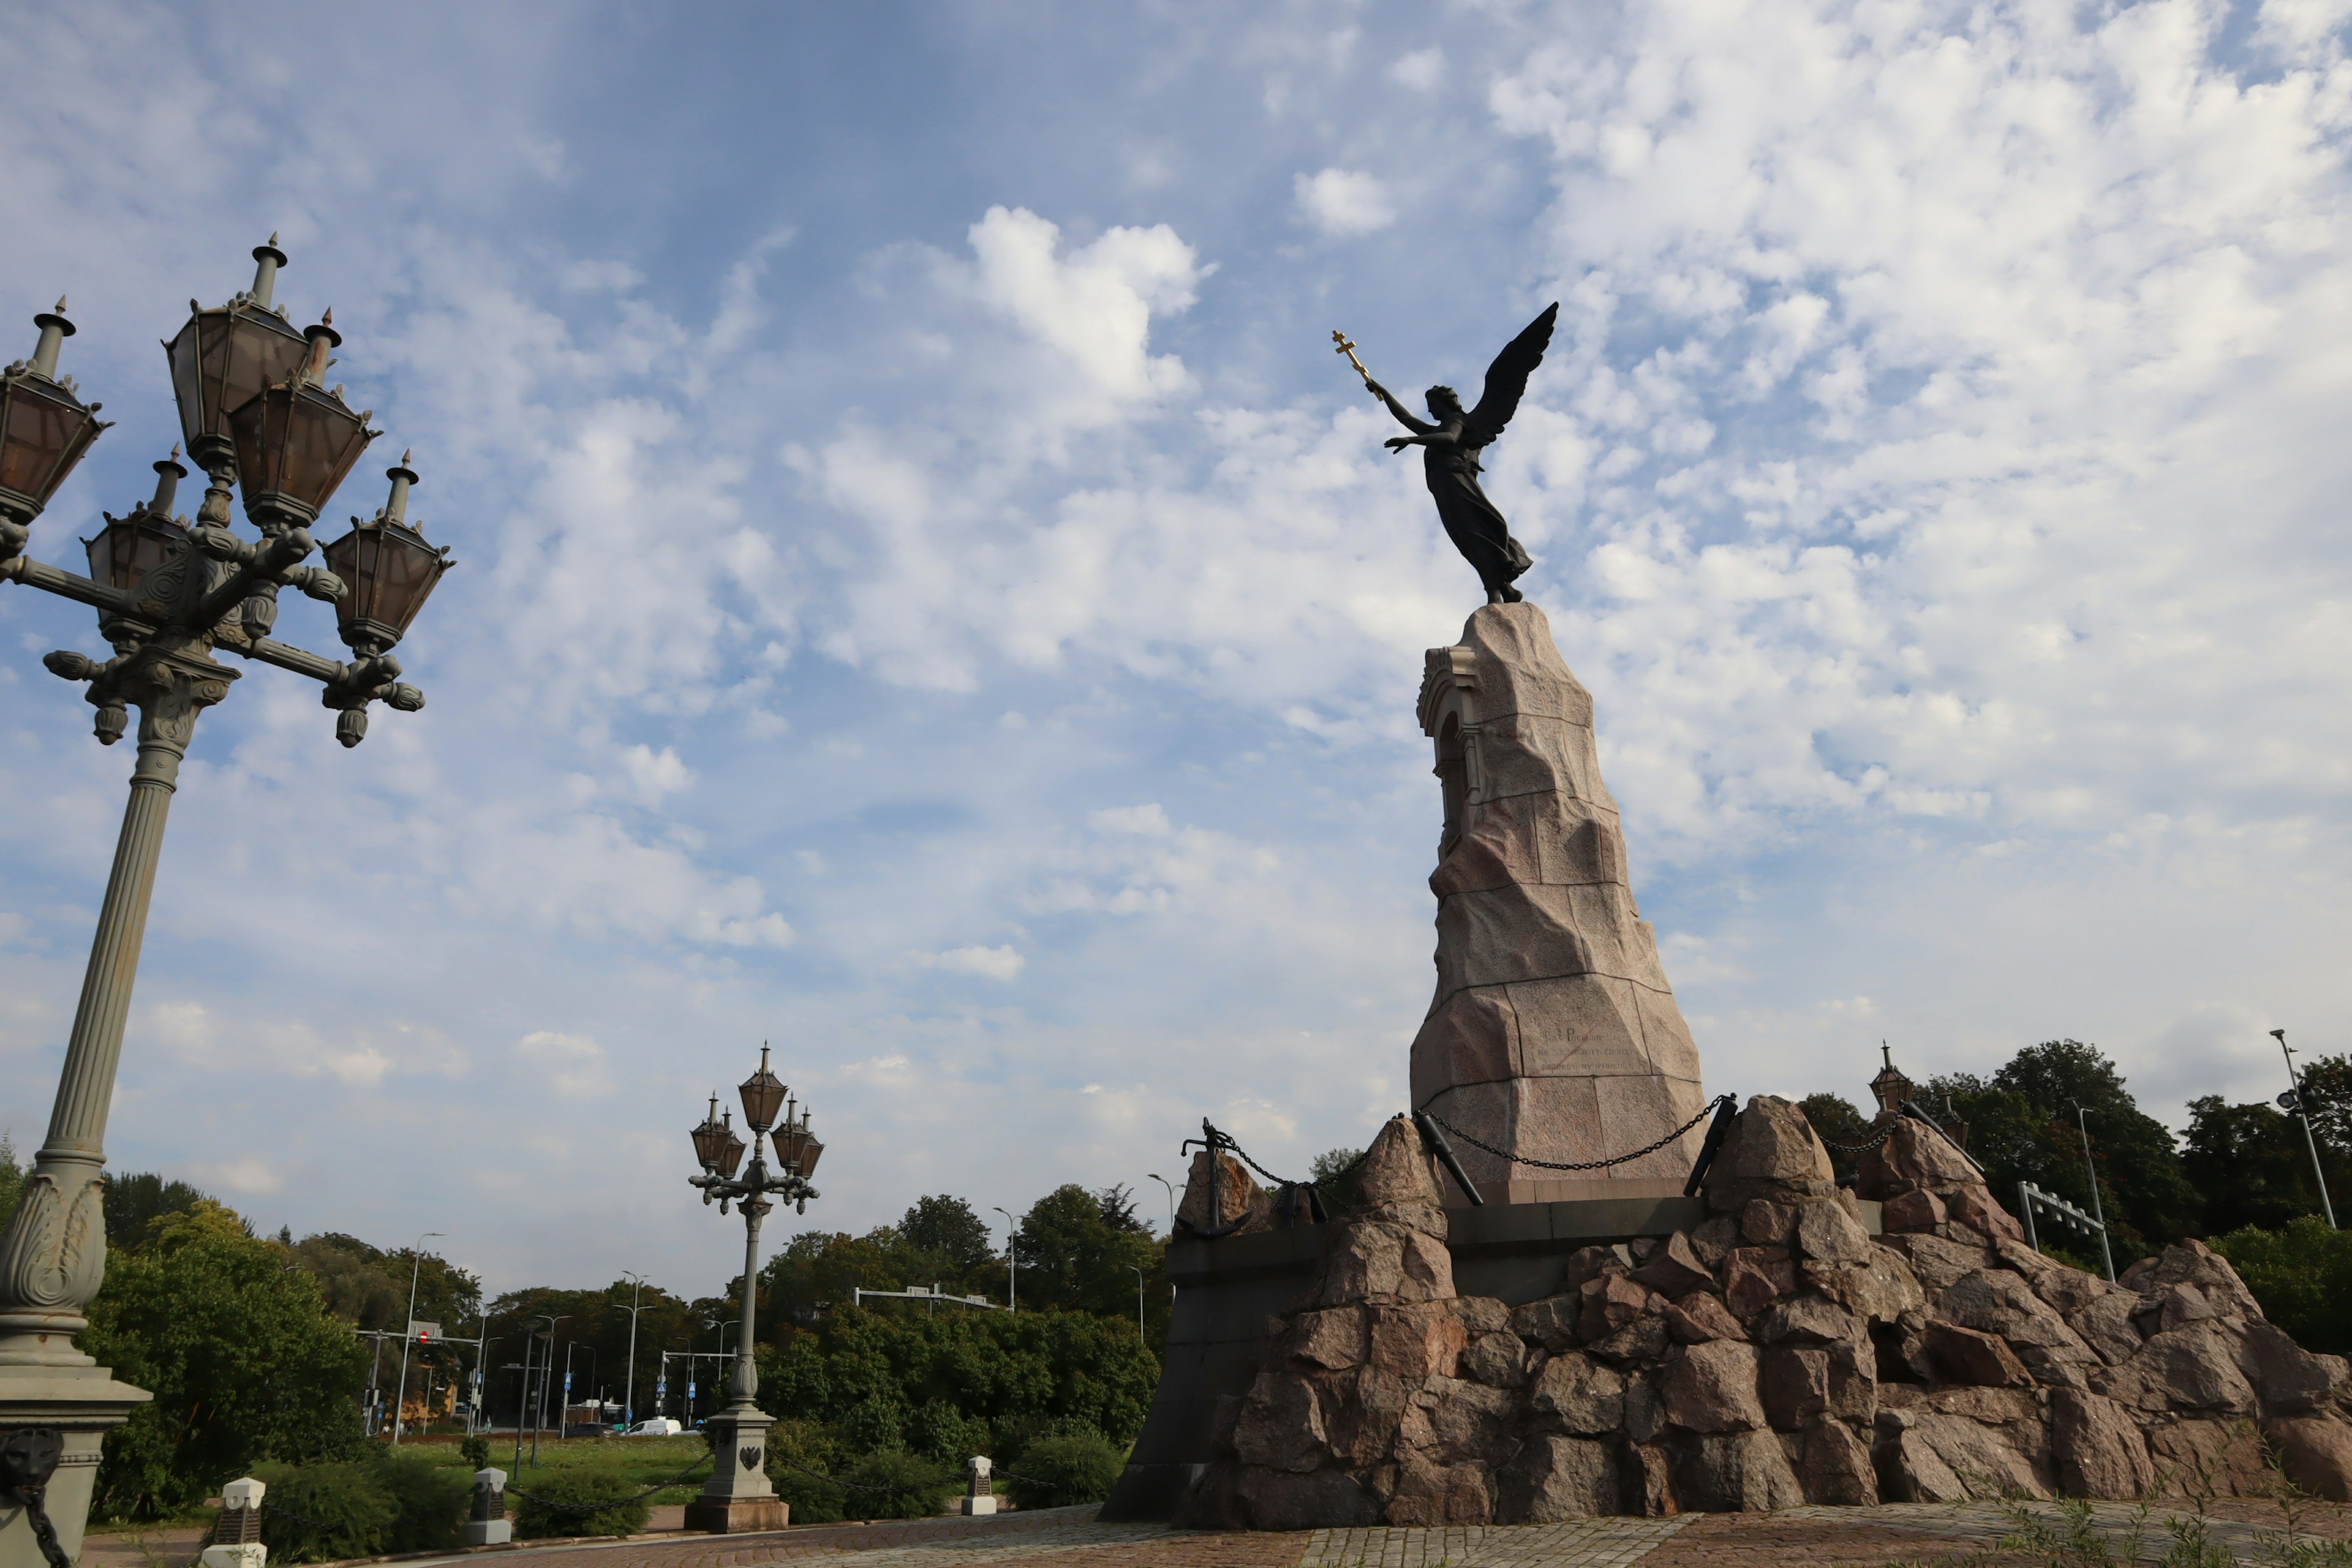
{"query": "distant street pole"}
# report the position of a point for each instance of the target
(1131, 1269)
(408, 1333)
(1012, 1264)
(629, 1399)
(2304, 1115)
(1171, 1199)
(2106, 1253)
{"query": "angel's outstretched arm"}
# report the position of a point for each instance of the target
(1404, 416)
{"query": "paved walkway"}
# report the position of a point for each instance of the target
(1809, 1537)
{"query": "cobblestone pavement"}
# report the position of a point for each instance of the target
(1808, 1537)
(1579, 1543)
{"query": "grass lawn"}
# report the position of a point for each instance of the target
(641, 1461)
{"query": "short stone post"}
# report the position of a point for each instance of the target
(235, 1539)
(490, 1525)
(979, 1497)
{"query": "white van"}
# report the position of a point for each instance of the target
(659, 1427)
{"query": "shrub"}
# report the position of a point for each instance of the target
(432, 1503)
(319, 1513)
(796, 1448)
(581, 1504)
(477, 1453)
(2302, 1275)
(1063, 1468)
(942, 1432)
(873, 1425)
(812, 1501)
(894, 1484)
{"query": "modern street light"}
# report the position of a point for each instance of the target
(1131, 1269)
(416, 1262)
(1171, 1198)
(1012, 1264)
(738, 1496)
(629, 1398)
(2292, 1100)
(253, 402)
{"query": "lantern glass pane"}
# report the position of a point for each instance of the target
(706, 1137)
(811, 1148)
(764, 1096)
(224, 359)
(125, 552)
(388, 572)
(323, 439)
(42, 434)
(730, 1152)
(187, 364)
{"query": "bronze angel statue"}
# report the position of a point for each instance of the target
(1450, 450)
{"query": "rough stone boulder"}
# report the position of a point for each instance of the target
(1242, 1206)
(1929, 1184)
(1775, 1354)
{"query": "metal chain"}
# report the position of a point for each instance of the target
(1884, 1134)
(618, 1503)
(1704, 1112)
(943, 1480)
(44, 1534)
(268, 1507)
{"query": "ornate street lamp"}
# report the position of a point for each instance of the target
(169, 594)
(44, 430)
(737, 1496)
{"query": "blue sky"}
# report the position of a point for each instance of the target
(929, 597)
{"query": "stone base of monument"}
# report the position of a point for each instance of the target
(1766, 1348)
(1226, 1289)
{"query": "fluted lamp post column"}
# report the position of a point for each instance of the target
(169, 593)
(739, 1497)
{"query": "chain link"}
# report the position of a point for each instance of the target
(904, 1487)
(618, 1503)
(1704, 1112)
(1884, 1134)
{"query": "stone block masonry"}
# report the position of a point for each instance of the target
(1554, 1034)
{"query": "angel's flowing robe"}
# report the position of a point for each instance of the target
(1474, 524)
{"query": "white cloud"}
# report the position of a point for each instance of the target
(1421, 70)
(988, 963)
(1344, 203)
(571, 1065)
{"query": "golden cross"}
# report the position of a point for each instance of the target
(1350, 350)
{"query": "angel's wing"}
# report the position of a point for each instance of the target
(1507, 378)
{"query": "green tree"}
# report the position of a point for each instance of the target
(2252, 1166)
(1077, 1249)
(2302, 1274)
(947, 1229)
(12, 1180)
(2022, 1126)
(136, 1199)
(1836, 1121)
(895, 1376)
(243, 1358)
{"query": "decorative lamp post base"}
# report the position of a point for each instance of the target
(81, 1405)
(737, 1496)
(737, 1515)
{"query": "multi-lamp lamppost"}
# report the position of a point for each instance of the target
(738, 1496)
(257, 416)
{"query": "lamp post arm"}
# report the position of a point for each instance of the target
(67, 584)
(270, 562)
